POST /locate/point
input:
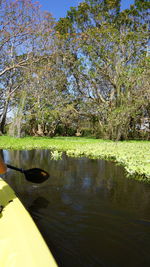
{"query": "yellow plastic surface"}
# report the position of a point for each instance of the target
(21, 244)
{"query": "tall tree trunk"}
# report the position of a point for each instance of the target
(3, 117)
(15, 129)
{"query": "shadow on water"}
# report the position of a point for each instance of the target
(89, 213)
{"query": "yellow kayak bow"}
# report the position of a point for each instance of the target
(21, 244)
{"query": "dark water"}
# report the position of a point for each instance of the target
(88, 212)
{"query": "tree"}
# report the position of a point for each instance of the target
(90, 69)
(111, 46)
(23, 27)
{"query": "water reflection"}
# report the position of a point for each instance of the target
(39, 203)
(88, 212)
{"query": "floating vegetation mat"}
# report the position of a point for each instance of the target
(133, 155)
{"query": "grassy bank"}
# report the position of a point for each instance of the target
(133, 155)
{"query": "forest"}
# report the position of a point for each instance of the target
(86, 74)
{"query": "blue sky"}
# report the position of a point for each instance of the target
(59, 7)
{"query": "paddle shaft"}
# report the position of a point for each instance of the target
(14, 168)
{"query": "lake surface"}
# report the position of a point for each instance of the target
(89, 213)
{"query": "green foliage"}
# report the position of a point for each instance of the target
(86, 131)
(56, 155)
(112, 76)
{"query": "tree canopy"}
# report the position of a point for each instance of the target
(86, 74)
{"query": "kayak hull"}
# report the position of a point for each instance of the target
(21, 243)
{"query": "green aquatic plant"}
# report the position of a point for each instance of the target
(133, 155)
(56, 155)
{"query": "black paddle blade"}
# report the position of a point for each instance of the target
(36, 175)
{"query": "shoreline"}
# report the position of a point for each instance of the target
(133, 155)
